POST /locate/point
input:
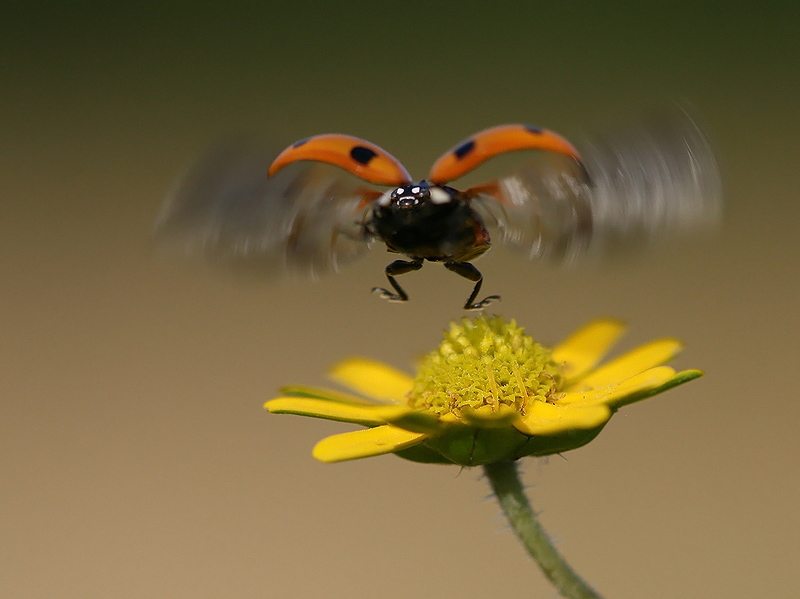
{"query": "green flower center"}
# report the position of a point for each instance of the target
(485, 362)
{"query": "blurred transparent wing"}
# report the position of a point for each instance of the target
(308, 218)
(657, 178)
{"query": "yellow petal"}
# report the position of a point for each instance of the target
(678, 379)
(368, 415)
(486, 417)
(374, 379)
(365, 443)
(412, 420)
(583, 349)
(618, 393)
(548, 419)
(635, 361)
(320, 393)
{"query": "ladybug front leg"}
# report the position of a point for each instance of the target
(398, 267)
(468, 271)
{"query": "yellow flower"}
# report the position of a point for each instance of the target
(488, 394)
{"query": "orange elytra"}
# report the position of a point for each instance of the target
(357, 156)
(485, 144)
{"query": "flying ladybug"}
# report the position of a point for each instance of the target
(322, 201)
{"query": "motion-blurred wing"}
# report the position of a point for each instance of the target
(657, 178)
(307, 218)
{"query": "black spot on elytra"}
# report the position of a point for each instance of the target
(464, 149)
(300, 142)
(532, 129)
(362, 155)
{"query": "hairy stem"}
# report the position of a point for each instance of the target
(507, 487)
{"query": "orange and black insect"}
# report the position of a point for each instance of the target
(425, 220)
(299, 210)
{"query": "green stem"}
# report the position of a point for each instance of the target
(507, 487)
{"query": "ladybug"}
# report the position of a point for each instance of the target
(302, 209)
(425, 220)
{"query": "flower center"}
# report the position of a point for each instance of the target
(485, 362)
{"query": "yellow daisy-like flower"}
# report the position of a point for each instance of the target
(488, 394)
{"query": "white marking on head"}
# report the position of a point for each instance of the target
(415, 190)
(385, 200)
(399, 190)
(439, 195)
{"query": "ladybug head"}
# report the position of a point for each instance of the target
(415, 195)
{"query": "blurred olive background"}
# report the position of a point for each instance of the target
(135, 457)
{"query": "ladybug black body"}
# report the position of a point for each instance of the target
(430, 222)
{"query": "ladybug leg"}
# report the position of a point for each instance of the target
(398, 267)
(468, 271)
